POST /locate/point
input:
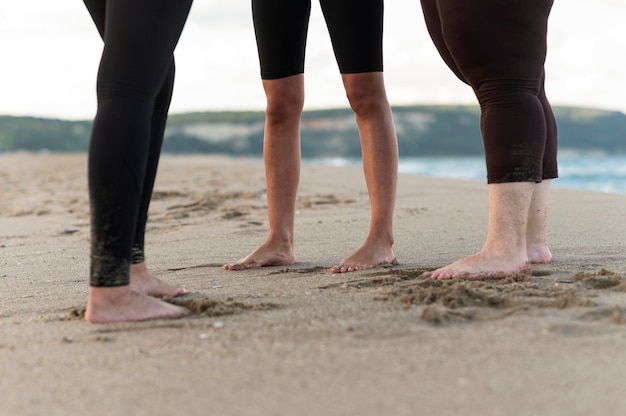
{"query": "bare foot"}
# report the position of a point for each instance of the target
(142, 281)
(539, 255)
(480, 266)
(366, 257)
(121, 304)
(268, 254)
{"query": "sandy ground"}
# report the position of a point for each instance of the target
(299, 340)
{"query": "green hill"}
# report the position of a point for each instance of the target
(422, 131)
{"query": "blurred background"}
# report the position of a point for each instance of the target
(51, 52)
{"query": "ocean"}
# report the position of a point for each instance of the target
(595, 172)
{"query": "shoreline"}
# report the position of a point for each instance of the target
(585, 171)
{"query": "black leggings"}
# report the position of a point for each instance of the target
(355, 27)
(498, 47)
(135, 82)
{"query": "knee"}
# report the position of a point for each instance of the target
(283, 107)
(506, 91)
(366, 103)
(124, 92)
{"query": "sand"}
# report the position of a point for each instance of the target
(299, 340)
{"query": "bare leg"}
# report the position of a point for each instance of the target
(142, 281)
(536, 234)
(285, 100)
(121, 304)
(504, 252)
(368, 99)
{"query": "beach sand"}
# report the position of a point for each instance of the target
(299, 340)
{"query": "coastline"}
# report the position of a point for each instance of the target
(588, 171)
(298, 339)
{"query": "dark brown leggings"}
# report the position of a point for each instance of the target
(498, 47)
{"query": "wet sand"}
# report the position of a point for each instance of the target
(299, 340)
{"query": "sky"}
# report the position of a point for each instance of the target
(51, 52)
